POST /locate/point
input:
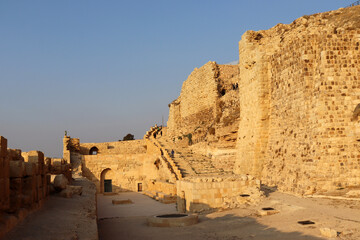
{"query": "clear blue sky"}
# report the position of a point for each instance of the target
(102, 69)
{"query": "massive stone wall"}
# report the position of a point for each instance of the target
(298, 89)
(198, 104)
(208, 109)
(286, 110)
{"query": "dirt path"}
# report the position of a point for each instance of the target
(129, 222)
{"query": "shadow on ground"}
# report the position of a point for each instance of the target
(226, 227)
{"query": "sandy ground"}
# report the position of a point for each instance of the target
(129, 221)
(61, 218)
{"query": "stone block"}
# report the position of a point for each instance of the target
(25, 155)
(37, 157)
(15, 194)
(6, 194)
(56, 167)
(17, 169)
(3, 147)
(39, 193)
(60, 182)
(3, 193)
(47, 161)
(329, 233)
(28, 192)
(30, 169)
(45, 185)
(14, 154)
(6, 167)
(39, 181)
(2, 170)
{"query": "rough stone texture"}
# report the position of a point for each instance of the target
(199, 194)
(291, 122)
(60, 182)
(298, 89)
(129, 164)
(24, 184)
(329, 233)
(61, 218)
(208, 109)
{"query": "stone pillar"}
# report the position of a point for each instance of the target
(66, 150)
(4, 175)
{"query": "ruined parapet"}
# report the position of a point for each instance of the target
(298, 89)
(66, 148)
(205, 116)
(199, 104)
(72, 153)
(24, 184)
(60, 166)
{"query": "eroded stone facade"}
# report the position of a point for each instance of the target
(299, 86)
(296, 88)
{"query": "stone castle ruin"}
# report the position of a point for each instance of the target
(285, 116)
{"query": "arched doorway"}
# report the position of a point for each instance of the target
(93, 151)
(106, 179)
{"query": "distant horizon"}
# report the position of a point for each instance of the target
(102, 70)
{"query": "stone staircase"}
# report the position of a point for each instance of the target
(188, 162)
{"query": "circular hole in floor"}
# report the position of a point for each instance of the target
(175, 215)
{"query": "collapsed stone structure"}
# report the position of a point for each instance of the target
(24, 182)
(298, 86)
(283, 116)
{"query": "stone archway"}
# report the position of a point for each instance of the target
(106, 180)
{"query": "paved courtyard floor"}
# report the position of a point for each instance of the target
(129, 221)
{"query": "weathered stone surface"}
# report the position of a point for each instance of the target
(30, 169)
(17, 169)
(76, 190)
(60, 182)
(329, 233)
(14, 154)
(297, 100)
(37, 157)
(3, 147)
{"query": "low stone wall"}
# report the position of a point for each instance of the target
(62, 218)
(162, 186)
(24, 183)
(199, 194)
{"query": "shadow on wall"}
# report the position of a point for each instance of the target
(225, 227)
(104, 183)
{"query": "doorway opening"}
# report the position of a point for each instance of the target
(106, 178)
(139, 187)
(107, 185)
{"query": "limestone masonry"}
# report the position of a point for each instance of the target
(285, 117)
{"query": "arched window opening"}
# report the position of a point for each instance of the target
(94, 151)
